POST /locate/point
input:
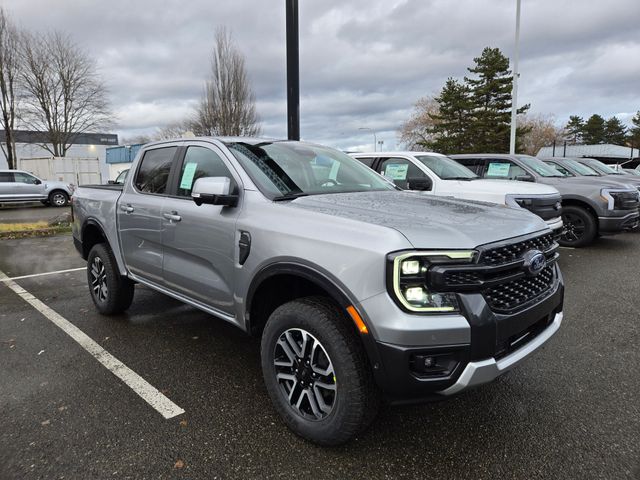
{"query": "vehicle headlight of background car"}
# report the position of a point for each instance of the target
(407, 279)
(620, 199)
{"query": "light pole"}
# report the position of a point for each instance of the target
(514, 92)
(381, 143)
(375, 140)
(293, 71)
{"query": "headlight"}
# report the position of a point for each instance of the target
(619, 199)
(408, 280)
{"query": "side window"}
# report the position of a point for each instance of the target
(504, 169)
(368, 161)
(401, 171)
(476, 165)
(153, 173)
(6, 177)
(560, 168)
(200, 162)
(24, 178)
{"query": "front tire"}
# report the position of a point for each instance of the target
(580, 228)
(316, 372)
(111, 292)
(58, 198)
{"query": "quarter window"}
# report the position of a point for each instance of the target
(200, 162)
(153, 173)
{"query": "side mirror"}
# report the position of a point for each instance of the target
(421, 184)
(111, 182)
(524, 178)
(213, 191)
(37, 181)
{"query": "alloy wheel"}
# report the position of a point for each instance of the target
(99, 280)
(574, 227)
(59, 199)
(305, 374)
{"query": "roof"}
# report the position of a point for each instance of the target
(605, 150)
(403, 152)
(28, 136)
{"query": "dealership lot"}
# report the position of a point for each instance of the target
(571, 411)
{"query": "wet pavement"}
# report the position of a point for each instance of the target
(570, 411)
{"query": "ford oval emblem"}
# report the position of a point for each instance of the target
(534, 262)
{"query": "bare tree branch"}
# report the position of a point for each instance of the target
(228, 103)
(64, 95)
(9, 84)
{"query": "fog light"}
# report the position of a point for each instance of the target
(415, 294)
(410, 267)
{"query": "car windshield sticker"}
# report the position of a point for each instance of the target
(187, 175)
(498, 170)
(396, 171)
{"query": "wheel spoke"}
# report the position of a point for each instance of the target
(313, 403)
(320, 399)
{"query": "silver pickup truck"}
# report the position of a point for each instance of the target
(359, 291)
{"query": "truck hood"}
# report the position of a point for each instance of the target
(599, 182)
(505, 187)
(427, 221)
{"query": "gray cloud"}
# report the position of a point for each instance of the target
(363, 62)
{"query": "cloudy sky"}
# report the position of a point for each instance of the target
(363, 63)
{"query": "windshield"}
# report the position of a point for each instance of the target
(446, 168)
(540, 167)
(290, 169)
(603, 167)
(582, 169)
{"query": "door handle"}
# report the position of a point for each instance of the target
(126, 208)
(172, 217)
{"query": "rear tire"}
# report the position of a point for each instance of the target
(581, 228)
(111, 292)
(58, 198)
(322, 387)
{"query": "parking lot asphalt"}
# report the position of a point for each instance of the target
(29, 212)
(570, 411)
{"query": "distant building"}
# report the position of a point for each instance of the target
(119, 158)
(606, 152)
(85, 145)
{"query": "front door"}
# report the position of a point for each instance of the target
(404, 173)
(140, 213)
(199, 241)
(27, 187)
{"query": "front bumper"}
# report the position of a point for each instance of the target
(478, 344)
(621, 223)
(555, 225)
(484, 371)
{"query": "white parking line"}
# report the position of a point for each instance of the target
(40, 274)
(139, 385)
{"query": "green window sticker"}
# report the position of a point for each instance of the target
(187, 175)
(498, 170)
(396, 171)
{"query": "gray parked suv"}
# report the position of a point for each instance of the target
(21, 186)
(359, 291)
(590, 206)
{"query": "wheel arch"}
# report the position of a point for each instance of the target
(574, 202)
(92, 233)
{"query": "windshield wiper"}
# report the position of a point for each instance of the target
(290, 196)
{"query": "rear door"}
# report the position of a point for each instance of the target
(199, 242)
(6, 185)
(139, 212)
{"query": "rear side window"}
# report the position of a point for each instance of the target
(6, 177)
(153, 173)
(368, 161)
(200, 162)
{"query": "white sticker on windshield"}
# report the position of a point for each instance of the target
(498, 170)
(396, 171)
(187, 175)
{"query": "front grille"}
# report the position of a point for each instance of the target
(513, 295)
(514, 251)
(626, 200)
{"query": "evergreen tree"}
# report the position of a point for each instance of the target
(614, 131)
(574, 129)
(593, 132)
(451, 123)
(491, 102)
(634, 131)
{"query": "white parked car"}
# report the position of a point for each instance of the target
(21, 186)
(433, 173)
